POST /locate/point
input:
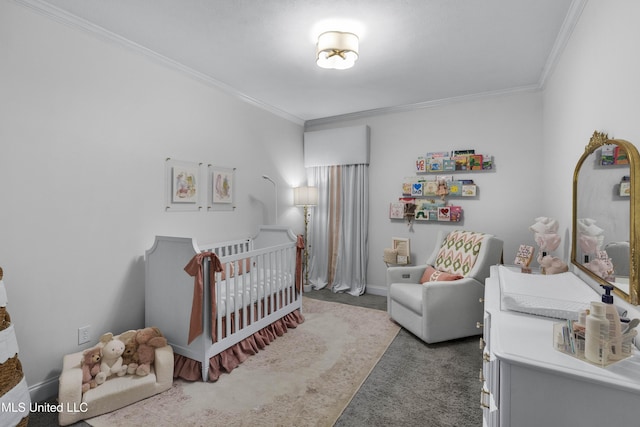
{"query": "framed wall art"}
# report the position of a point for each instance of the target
(182, 185)
(221, 181)
(401, 245)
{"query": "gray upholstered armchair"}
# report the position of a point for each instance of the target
(440, 310)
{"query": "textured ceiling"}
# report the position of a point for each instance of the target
(411, 51)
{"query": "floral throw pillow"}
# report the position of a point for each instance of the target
(459, 251)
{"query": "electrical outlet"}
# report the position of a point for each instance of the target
(84, 335)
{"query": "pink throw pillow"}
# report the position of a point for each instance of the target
(431, 275)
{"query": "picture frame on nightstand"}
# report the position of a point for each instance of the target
(402, 245)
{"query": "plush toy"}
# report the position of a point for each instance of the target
(600, 267)
(130, 356)
(90, 365)
(442, 190)
(148, 340)
(552, 265)
(112, 349)
(590, 236)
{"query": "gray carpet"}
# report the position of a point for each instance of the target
(413, 384)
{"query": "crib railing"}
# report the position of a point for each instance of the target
(255, 289)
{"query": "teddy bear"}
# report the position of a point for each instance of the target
(130, 356)
(148, 340)
(111, 351)
(90, 364)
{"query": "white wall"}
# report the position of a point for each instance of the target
(509, 127)
(85, 127)
(595, 86)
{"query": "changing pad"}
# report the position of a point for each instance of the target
(559, 296)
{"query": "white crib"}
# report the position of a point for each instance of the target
(258, 285)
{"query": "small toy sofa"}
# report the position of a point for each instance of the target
(114, 393)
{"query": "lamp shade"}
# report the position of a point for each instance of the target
(337, 50)
(305, 196)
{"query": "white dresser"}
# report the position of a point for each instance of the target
(526, 382)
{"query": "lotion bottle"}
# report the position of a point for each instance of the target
(615, 330)
(596, 334)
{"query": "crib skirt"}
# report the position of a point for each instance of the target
(229, 359)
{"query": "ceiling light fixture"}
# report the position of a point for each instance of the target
(337, 50)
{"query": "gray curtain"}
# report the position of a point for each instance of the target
(339, 228)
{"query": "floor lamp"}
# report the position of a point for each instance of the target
(305, 197)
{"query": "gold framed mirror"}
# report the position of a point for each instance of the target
(606, 202)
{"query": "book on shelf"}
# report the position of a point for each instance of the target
(456, 213)
(625, 189)
(396, 210)
(475, 162)
(421, 215)
(435, 164)
(487, 161)
(406, 188)
(448, 165)
(430, 188)
(445, 178)
(461, 162)
(416, 189)
(607, 155)
(620, 156)
(430, 203)
(434, 154)
(469, 190)
(463, 152)
(455, 188)
(444, 213)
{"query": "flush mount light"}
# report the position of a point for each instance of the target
(337, 50)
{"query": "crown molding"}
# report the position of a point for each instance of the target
(75, 22)
(568, 25)
(417, 106)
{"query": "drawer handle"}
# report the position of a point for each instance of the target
(479, 325)
(482, 343)
(481, 376)
(481, 300)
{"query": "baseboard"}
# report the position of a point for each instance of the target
(376, 290)
(44, 390)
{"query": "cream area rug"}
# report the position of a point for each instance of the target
(304, 378)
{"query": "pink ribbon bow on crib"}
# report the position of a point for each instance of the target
(299, 250)
(194, 269)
